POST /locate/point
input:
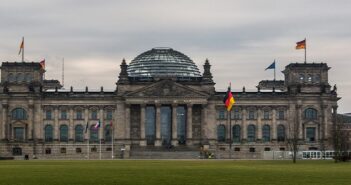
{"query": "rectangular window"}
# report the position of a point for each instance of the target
(221, 114)
(94, 149)
(47, 150)
(311, 134)
(266, 115)
(281, 114)
(251, 114)
(237, 114)
(19, 133)
(94, 114)
(282, 149)
(252, 149)
(267, 149)
(63, 114)
(48, 115)
(109, 115)
(78, 150)
(63, 150)
(237, 149)
(79, 114)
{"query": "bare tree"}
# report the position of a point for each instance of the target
(340, 138)
(292, 137)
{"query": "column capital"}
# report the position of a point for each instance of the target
(175, 105)
(189, 105)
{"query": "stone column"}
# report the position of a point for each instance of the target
(274, 124)
(299, 122)
(4, 133)
(189, 125)
(30, 131)
(102, 126)
(142, 125)
(158, 125)
(174, 125)
(204, 139)
(127, 126)
(56, 125)
(71, 124)
(325, 122)
(259, 123)
(244, 126)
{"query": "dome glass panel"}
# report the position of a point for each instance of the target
(161, 62)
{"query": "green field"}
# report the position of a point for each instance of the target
(162, 172)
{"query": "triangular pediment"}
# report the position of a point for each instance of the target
(166, 88)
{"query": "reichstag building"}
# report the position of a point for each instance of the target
(162, 107)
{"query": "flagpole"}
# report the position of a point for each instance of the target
(230, 129)
(112, 142)
(88, 148)
(100, 136)
(305, 50)
(23, 49)
(274, 69)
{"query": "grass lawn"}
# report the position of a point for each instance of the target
(163, 172)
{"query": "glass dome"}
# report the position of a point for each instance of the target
(159, 62)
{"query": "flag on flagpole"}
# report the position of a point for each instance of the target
(229, 99)
(301, 44)
(21, 46)
(272, 66)
(86, 128)
(42, 64)
(97, 125)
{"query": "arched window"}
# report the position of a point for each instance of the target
(236, 133)
(221, 133)
(94, 134)
(108, 133)
(251, 133)
(311, 113)
(281, 133)
(63, 133)
(78, 132)
(11, 77)
(19, 114)
(266, 133)
(48, 133)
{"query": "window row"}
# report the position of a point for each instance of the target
(309, 113)
(79, 132)
(251, 133)
(20, 77)
(63, 150)
(251, 114)
(79, 114)
(309, 78)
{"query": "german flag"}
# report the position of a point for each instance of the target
(228, 100)
(21, 46)
(42, 64)
(301, 44)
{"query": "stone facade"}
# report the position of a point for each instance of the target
(162, 113)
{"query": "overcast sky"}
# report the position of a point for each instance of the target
(239, 37)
